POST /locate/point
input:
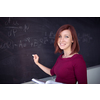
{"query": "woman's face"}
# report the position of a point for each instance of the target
(65, 40)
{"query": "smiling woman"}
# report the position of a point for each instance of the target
(70, 66)
(65, 41)
(70, 32)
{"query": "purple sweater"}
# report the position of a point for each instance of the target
(70, 70)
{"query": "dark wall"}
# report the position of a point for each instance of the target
(21, 37)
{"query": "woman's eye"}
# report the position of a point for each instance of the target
(66, 36)
(59, 36)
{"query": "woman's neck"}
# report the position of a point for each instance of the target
(68, 54)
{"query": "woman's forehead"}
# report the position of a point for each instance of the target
(65, 32)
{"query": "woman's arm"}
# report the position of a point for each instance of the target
(44, 68)
(81, 71)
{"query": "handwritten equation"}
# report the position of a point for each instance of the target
(14, 26)
(30, 42)
(38, 42)
(85, 38)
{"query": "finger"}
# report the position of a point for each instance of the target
(35, 56)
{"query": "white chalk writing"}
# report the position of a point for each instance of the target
(84, 38)
(38, 42)
(14, 26)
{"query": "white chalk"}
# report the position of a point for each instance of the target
(33, 55)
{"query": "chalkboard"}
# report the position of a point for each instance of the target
(20, 37)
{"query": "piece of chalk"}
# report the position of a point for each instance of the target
(32, 55)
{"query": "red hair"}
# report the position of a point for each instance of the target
(75, 45)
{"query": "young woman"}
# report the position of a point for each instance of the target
(70, 66)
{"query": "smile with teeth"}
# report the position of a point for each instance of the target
(61, 44)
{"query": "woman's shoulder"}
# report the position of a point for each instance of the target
(78, 58)
(77, 55)
(78, 61)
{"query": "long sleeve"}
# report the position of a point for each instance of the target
(80, 70)
(52, 70)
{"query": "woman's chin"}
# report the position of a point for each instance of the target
(61, 48)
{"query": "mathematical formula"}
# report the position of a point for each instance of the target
(13, 27)
(34, 42)
(29, 41)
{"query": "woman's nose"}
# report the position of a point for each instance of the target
(62, 39)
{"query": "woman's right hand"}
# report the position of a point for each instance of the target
(44, 68)
(36, 58)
